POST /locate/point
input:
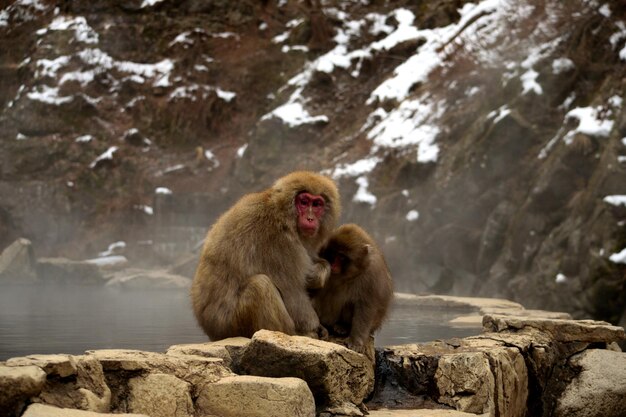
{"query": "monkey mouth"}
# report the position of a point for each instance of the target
(308, 230)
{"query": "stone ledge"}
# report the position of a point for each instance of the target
(561, 330)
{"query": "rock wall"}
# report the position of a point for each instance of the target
(492, 169)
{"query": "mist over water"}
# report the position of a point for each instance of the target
(51, 319)
(64, 319)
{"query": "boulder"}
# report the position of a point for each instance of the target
(72, 381)
(18, 384)
(41, 410)
(146, 279)
(66, 271)
(600, 388)
(17, 263)
(254, 396)
(335, 374)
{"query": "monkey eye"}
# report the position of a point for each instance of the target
(318, 202)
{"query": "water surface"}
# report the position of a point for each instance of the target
(72, 320)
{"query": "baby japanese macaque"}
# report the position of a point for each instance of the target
(355, 299)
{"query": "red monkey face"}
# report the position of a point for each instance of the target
(310, 210)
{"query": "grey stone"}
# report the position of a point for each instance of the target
(600, 388)
(17, 263)
(17, 384)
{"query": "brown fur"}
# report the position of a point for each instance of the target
(357, 295)
(256, 265)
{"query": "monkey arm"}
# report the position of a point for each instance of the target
(362, 319)
(318, 274)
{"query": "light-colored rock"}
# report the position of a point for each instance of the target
(117, 364)
(560, 330)
(418, 413)
(17, 263)
(17, 384)
(253, 396)
(510, 393)
(66, 271)
(146, 279)
(448, 301)
(600, 388)
(474, 375)
(334, 373)
(41, 410)
(55, 365)
(159, 395)
(229, 350)
(343, 409)
(539, 314)
(85, 390)
(476, 320)
(465, 382)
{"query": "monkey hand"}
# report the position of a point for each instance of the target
(356, 346)
(318, 274)
(340, 330)
(322, 333)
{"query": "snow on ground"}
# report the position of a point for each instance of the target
(93, 62)
(619, 258)
(413, 123)
(615, 200)
(107, 155)
(162, 190)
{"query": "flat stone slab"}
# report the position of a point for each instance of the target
(58, 365)
(588, 331)
(42, 410)
(419, 413)
(482, 305)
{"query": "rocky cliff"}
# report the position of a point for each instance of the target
(482, 143)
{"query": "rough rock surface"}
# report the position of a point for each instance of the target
(335, 374)
(253, 396)
(17, 384)
(71, 381)
(229, 350)
(561, 330)
(600, 388)
(41, 410)
(519, 366)
(160, 395)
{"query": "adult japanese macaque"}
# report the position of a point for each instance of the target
(357, 295)
(260, 259)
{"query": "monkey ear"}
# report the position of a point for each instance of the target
(366, 250)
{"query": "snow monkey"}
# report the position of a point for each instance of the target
(359, 290)
(260, 259)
